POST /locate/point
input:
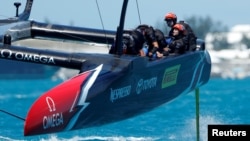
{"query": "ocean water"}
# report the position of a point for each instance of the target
(222, 101)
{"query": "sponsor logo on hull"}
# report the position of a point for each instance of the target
(120, 93)
(170, 76)
(55, 119)
(6, 53)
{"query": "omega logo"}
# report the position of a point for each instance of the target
(5, 53)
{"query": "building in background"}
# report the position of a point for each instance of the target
(230, 57)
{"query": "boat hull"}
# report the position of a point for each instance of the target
(116, 91)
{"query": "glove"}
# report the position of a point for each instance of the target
(165, 53)
(153, 51)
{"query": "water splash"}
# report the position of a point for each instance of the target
(99, 138)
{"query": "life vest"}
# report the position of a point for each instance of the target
(191, 37)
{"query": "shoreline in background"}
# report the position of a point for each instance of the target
(230, 63)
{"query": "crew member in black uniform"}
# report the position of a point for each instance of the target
(133, 41)
(190, 37)
(178, 44)
(154, 39)
(143, 41)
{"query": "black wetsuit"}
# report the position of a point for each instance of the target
(133, 41)
(151, 35)
(178, 44)
(189, 38)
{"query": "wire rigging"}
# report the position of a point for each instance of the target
(138, 11)
(83, 39)
(14, 115)
(105, 34)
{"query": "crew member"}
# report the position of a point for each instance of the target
(132, 42)
(178, 44)
(171, 20)
(154, 38)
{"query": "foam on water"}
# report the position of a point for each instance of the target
(87, 138)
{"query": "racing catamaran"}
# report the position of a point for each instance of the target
(109, 87)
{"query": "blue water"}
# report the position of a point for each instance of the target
(221, 102)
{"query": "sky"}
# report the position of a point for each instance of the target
(84, 13)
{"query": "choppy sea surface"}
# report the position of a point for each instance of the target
(222, 101)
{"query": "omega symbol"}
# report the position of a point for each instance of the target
(51, 104)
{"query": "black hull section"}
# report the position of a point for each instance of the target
(113, 88)
(142, 87)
